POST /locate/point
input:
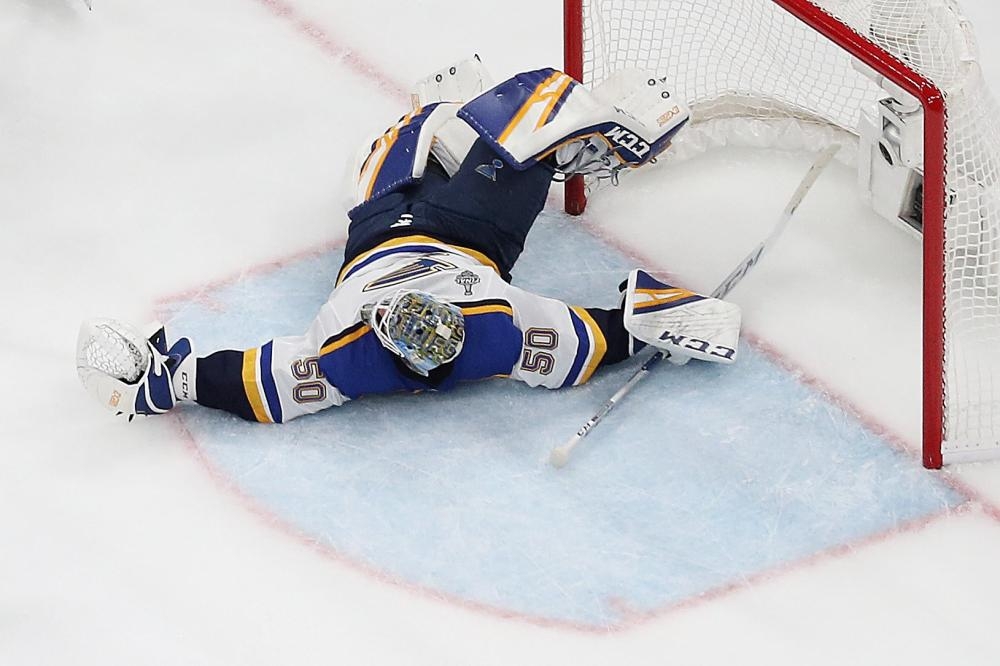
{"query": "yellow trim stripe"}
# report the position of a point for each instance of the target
(599, 344)
(408, 240)
(385, 143)
(364, 165)
(538, 96)
(382, 147)
(344, 341)
(483, 309)
(251, 387)
(554, 98)
(591, 135)
(662, 296)
(645, 305)
(475, 254)
(664, 292)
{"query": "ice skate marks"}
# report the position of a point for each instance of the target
(707, 477)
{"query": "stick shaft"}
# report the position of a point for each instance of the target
(561, 453)
(738, 273)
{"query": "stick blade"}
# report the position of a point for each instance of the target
(559, 457)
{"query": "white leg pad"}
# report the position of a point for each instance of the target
(530, 116)
(459, 82)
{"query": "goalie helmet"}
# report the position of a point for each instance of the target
(424, 331)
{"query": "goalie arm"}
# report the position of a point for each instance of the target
(132, 374)
(564, 345)
(273, 383)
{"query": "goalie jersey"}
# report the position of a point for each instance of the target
(509, 332)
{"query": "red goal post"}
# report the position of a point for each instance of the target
(596, 30)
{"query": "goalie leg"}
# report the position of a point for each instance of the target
(623, 123)
(490, 206)
(487, 206)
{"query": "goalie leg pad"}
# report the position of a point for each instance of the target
(631, 118)
(679, 321)
(454, 85)
(398, 158)
(458, 82)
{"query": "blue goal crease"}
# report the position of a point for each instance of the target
(705, 477)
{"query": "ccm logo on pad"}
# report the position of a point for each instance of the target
(627, 140)
(702, 346)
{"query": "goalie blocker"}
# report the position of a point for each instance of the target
(680, 322)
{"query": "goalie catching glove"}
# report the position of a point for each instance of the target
(679, 321)
(131, 374)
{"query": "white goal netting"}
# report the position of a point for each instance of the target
(756, 74)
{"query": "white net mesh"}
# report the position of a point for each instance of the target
(755, 74)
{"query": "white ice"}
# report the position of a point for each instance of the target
(149, 150)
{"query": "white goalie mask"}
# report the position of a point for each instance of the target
(423, 331)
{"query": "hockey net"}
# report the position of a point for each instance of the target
(897, 80)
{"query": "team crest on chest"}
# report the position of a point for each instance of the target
(422, 267)
(467, 279)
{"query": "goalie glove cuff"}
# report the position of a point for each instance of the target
(679, 321)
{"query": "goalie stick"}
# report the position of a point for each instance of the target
(560, 454)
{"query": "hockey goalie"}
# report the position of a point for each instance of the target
(445, 199)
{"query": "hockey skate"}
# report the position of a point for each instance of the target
(131, 374)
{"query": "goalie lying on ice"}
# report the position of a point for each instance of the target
(445, 200)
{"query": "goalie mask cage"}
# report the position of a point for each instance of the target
(797, 74)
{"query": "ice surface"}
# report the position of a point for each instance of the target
(705, 476)
(188, 153)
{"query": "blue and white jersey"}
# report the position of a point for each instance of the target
(509, 332)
